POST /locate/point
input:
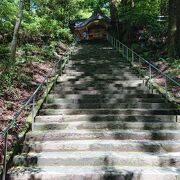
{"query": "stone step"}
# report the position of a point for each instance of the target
(89, 158)
(90, 66)
(103, 56)
(97, 77)
(101, 61)
(101, 84)
(100, 118)
(106, 125)
(103, 134)
(94, 62)
(105, 100)
(103, 96)
(107, 105)
(94, 173)
(103, 73)
(103, 145)
(57, 90)
(99, 68)
(110, 111)
(99, 89)
(109, 79)
(82, 58)
(104, 69)
(121, 75)
(108, 71)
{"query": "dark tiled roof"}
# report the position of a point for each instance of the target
(96, 16)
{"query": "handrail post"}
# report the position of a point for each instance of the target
(139, 62)
(33, 112)
(150, 77)
(132, 60)
(68, 58)
(166, 87)
(61, 67)
(56, 68)
(127, 54)
(5, 156)
(56, 71)
(47, 85)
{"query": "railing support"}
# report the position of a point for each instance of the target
(139, 62)
(166, 88)
(61, 68)
(47, 85)
(33, 112)
(127, 54)
(150, 78)
(132, 57)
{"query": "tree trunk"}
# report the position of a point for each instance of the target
(172, 28)
(178, 29)
(16, 30)
(114, 9)
(114, 15)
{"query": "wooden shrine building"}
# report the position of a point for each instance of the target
(96, 27)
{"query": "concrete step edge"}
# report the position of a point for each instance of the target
(85, 158)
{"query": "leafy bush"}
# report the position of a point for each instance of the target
(44, 25)
(4, 50)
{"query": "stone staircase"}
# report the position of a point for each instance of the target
(101, 123)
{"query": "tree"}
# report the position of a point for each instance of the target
(114, 10)
(178, 28)
(16, 30)
(114, 14)
(171, 27)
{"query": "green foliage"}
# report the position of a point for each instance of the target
(7, 74)
(141, 13)
(50, 21)
(4, 50)
(8, 12)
